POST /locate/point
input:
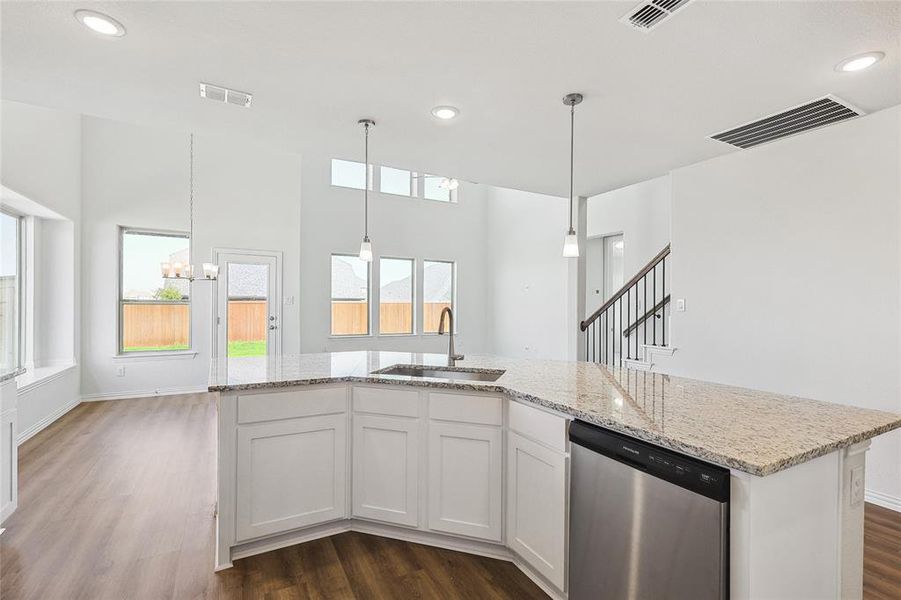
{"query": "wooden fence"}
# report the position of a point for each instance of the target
(350, 318)
(166, 324)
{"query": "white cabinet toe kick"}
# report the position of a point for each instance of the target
(485, 474)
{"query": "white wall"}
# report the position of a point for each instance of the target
(41, 159)
(332, 221)
(531, 295)
(641, 212)
(246, 196)
(789, 259)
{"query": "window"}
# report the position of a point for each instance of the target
(395, 181)
(350, 295)
(432, 190)
(438, 291)
(155, 313)
(10, 293)
(350, 174)
(396, 296)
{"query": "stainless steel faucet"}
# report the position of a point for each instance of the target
(452, 358)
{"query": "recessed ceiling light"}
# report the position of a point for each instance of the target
(859, 62)
(445, 112)
(100, 23)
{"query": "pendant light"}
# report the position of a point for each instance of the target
(571, 241)
(185, 271)
(366, 245)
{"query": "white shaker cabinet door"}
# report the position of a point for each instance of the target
(386, 469)
(466, 480)
(290, 474)
(536, 506)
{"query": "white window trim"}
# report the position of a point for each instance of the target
(181, 353)
(369, 302)
(413, 287)
(453, 264)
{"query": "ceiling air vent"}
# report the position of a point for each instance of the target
(222, 94)
(817, 113)
(648, 15)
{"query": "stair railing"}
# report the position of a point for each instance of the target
(623, 323)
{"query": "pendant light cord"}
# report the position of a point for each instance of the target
(366, 183)
(572, 127)
(191, 207)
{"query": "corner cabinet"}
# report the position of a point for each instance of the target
(465, 470)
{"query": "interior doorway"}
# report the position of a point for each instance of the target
(248, 305)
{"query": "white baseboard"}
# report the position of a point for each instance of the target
(41, 425)
(883, 500)
(142, 393)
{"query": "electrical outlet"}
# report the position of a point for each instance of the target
(120, 371)
(857, 488)
(680, 305)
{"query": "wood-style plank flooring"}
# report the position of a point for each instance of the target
(116, 501)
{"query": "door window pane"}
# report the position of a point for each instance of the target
(10, 293)
(394, 181)
(347, 173)
(155, 312)
(437, 292)
(395, 295)
(350, 295)
(248, 309)
(432, 189)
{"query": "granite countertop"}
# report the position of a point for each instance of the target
(756, 432)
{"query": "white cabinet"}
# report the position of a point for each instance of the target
(290, 474)
(386, 468)
(466, 479)
(536, 506)
(9, 454)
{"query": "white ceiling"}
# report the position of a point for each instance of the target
(315, 68)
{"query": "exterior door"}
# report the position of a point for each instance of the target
(248, 304)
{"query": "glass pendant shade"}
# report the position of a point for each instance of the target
(366, 250)
(571, 245)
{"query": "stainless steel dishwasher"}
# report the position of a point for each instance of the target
(645, 523)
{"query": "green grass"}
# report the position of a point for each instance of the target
(257, 348)
(155, 348)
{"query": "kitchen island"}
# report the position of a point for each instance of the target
(311, 445)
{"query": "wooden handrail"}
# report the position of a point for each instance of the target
(628, 330)
(622, 291)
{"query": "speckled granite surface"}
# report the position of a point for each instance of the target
(755, 432)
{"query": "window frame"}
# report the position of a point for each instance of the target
(121, 302)
(369, 302)
(411, 181)
(370, 175)
(452, 196)
(413, 304)
(453, 265)
(19, 366)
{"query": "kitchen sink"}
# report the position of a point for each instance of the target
(442, 372)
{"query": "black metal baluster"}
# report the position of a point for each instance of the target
(619, 332)
(654, 300)
(644, 328)
(664, 307)
(637, 318)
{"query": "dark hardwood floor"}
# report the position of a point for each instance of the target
(116, 501)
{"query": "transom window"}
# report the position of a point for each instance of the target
(391, 180)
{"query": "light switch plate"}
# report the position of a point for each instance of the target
(680, 304)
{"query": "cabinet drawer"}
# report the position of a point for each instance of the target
(463, 408)
(538, 425)
(386, 400)
(290, 404)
